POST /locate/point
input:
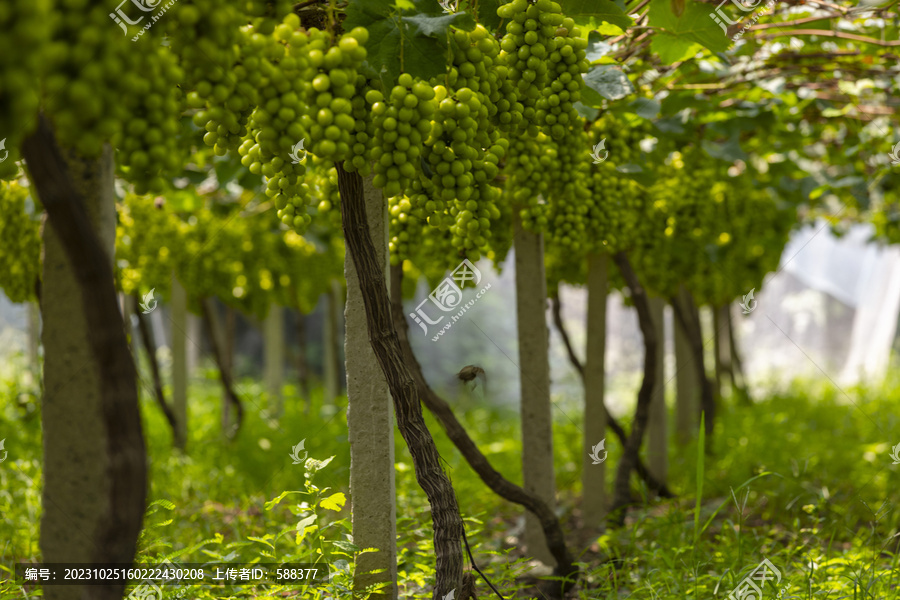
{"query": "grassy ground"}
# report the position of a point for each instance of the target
(803, 478)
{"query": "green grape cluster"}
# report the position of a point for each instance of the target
(147, 244)
(407, 227)
(364, 130)
(570, 191)
(150, 148)
(531, 161)
(401, 123)
(617, 202)
(748, 231)
(104, 87)
(323, 184)
(413, 239)
(680, 222)
(476, 65)
(555, 109)
(333, 75)
(250, 88)
(460, 170)
(545, 57)
(274, 130)
(26, 30)
(220, 61)
(310, 99)
(20, 243)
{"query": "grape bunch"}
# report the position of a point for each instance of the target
(147, 244)
(476, 65)
(270, 147)
(555, 109)
(20, 243)
(545, 57)
(150, 147)
(570, 190)
(461, 161)
(464, 150)
(678, 221)
(618, 202)
(220, 61)
(333, 74)
(401, 123)
(364, 130)
(531, 161)
(26, 30)
(321, 178)
(104, 87)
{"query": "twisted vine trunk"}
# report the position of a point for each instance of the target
(687, 387)
(330, 336)
(657, 423)
(179, 316)
(303, 362)
(94, 454)
(302, 347)
(640, 468)
(150, 348)
(737, 371)
(622, 488)
(448, 525)
(689, 319)
(498, 484)
(231, 397)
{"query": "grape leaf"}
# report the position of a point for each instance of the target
(694, 25)
(608, 81)
(403, 41)
(645, 107)
(588, 112)
(596, 48)
(304, 527)
(436, 26)
(346, 546)
(487, 14)
(590, 13)
(334, 502)
(671, 48)
(730, 150)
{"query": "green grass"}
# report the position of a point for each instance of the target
(803, 478)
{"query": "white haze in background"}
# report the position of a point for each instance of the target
(837, 298)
